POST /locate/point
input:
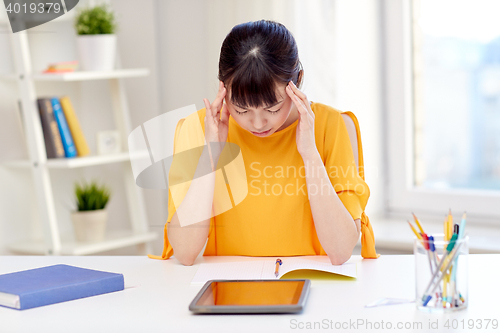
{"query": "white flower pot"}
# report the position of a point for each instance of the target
(90, 226)
(97, 52)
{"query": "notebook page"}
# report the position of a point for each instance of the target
(10, 300)
(246, 270)
(264, 269)
(291, 264)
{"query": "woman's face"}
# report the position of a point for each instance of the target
(265, 120)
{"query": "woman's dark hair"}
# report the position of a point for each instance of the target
(254, 57)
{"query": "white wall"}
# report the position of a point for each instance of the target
(358, 85)
(179, 41)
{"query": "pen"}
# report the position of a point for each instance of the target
(449, 278)
(426, 244)
(432, 248)
(445, 288)
(456, 231)
(460, 236)
(451, 297)
(277, 269)
(445, 260)
(427, 296)
(460, 232)
(449, 261)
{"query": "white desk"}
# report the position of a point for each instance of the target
(158, 293)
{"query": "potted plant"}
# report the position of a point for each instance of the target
(90, 218)
(96, 39)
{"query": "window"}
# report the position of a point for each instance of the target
(456, 76)
(442, 60)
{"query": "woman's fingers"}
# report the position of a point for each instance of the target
(220, 97)
(298, 103)
(216, 117)
(224, 114)
(306, 116)
(305, 128)
(213, 109)
(302, 98)
(299, 93)
(208, 107)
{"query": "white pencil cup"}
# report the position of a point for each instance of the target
(441, 276)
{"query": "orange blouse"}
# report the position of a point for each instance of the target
(275, 219)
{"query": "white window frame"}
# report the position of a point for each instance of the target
(403, 197)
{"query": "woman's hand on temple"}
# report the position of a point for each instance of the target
(216, 117)
(306, 142)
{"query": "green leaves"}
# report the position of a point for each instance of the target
(95, 21)
(91, 196)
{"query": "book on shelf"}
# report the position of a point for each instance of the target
(82, 147)
(51, 134)
(55, 284)
(66, 137)
(62, 67)
(62, 132)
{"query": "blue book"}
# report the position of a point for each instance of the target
(66, 137)
(54, 284)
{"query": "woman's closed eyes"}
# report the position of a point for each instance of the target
(270, 111)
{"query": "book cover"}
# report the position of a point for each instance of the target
(67, 138)
(54, 284)
(63, 65)
(82, 147)
(51, 134)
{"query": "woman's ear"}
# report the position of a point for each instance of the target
(299, 78)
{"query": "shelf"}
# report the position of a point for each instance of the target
(85, 75)
(79, 162)
(113, 241)
(42, 177)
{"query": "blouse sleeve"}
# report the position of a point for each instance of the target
(341, 168)
(168, 251)
(348, 179)
(189, 141)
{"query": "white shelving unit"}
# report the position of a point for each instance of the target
(53, 243)
(84, 76)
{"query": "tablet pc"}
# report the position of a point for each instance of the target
(251, 296)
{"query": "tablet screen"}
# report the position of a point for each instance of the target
(252, 293)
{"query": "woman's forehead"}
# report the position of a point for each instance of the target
(279, 92)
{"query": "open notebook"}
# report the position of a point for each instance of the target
(264, 269)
